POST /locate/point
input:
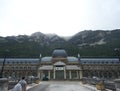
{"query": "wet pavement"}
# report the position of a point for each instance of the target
(60, 86)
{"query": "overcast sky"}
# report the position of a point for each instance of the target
(62, 17)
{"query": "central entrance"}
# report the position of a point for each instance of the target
(59, 72)
(59, 75)
(59, 68)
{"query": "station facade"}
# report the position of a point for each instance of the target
(60, 66)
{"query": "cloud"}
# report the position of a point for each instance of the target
(64, 17)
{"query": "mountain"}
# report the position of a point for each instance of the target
(98, 37)
(46, 38)
(97, 43)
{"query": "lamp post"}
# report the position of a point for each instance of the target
(1, 73)
(40, 59)
(117, 50)
(80, 63)
(79, 58)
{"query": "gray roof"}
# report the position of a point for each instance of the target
(20, 60)
(59, 53)
(46, 59)
(70, 59)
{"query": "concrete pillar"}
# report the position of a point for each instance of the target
(107, 74)
(118, 74)
(48, 74)
(17, 74)
(102, 74)
(77, 75)
(3, 84)
(70, 76)
(98, 74)
(117, 84)
(38, 74)
(54, 73)
(80, 72)
(41, 75)
(64, 73)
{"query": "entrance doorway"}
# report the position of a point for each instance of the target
(59, 75)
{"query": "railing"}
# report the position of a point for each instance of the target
(110, 86)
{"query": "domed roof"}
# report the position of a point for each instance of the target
(59, 53)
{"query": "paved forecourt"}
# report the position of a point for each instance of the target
(61, 86)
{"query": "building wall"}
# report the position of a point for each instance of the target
(102, 70)
(88, 70)
(18, 70)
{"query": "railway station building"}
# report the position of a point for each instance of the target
(60, 66)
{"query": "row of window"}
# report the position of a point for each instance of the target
(20, 68)
(102, 67)
(101, 62)
(20, 62)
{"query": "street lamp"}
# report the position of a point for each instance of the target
(80, 63)
(40, 59)
(1, 73)
(79, 59)
(117, 50)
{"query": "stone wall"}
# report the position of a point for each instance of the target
(3, 84)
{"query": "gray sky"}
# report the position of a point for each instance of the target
(62, 17)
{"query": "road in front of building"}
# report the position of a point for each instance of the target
(61, 86)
